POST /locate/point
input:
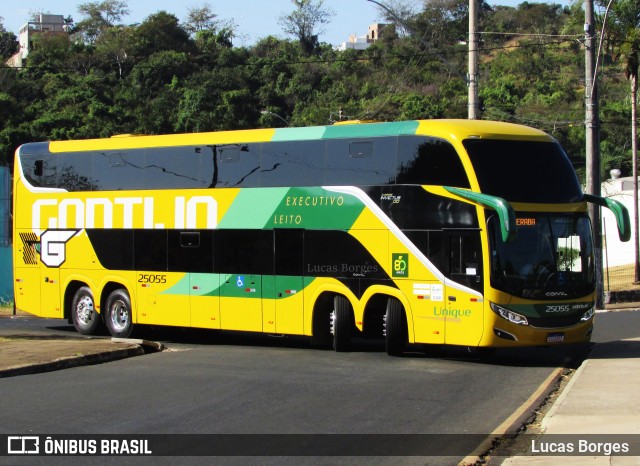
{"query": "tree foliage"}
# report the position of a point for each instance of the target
(307, 22)
(200, 19)
(8, 42)
(99, 17)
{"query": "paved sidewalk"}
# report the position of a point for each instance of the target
(602, 398)
(32, 352)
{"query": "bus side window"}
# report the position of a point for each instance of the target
(191, 251)
(150, 248)
(119, 170)
(289, 247)
(465, 259)
(243, 251)
(361, 162)
(75, 171)
(431, 244)
(429, 161)
(296, 163)
(238, 165)
(177, 167)
(40, 172)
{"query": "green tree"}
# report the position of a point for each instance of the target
(399, 12)
(161, 32)
(149, 96)
(9, 44)
(115, 47)
(306, 22)
(99, 17)
(200, 19)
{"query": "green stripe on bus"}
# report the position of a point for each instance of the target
(365, 130)
(253, 208)
(298, 134)
(355, 130)
(209, 285)
(316, 208)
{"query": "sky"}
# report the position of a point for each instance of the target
(254, 19)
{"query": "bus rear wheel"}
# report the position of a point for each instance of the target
(395, 328)
(85, 318)
(341, 324)
(118, 314)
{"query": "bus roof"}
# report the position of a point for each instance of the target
(452, 130)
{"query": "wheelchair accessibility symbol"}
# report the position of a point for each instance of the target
(240, 281)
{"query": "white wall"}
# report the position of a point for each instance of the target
(615, 252)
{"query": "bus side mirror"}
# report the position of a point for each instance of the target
(505, 212)
(619, 211)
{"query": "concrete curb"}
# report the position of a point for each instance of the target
(151, 345)
(73, 361)
(121, 348)
(519, 418)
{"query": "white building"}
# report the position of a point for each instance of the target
(46, 24)
(615, 252)
(376, 31)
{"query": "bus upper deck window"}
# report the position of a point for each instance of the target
(359, 150)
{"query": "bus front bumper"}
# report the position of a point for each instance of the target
(503, 333)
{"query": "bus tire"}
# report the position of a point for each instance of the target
(322, 336)
(342, 324)
(85, 318)
(118, 315)
(396, 331)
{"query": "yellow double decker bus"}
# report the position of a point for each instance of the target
(452, 232)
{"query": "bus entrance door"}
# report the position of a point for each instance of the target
(463, 315)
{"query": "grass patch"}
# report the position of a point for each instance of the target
(6, 308)
(620, 278)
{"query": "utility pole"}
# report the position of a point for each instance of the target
(473, 104)
(592, 139)
(634, 151)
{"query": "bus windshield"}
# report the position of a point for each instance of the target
(524, 171)
(551, 257)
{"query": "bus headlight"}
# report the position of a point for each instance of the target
(511, 316)
(588, 315)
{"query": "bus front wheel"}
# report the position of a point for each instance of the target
(118, 315)
(395, 327)
(85, 318)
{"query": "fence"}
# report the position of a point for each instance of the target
(6, 264)
(619, 281)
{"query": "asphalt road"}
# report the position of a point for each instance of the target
(212, 383)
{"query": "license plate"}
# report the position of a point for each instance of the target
(555, 337)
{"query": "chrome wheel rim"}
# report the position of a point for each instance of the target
(85, 310)
(119, 316)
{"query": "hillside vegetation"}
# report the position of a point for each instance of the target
(165, 75)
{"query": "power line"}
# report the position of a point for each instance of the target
(261, 63)
(530, 34)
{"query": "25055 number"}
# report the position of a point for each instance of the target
(152, 278)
